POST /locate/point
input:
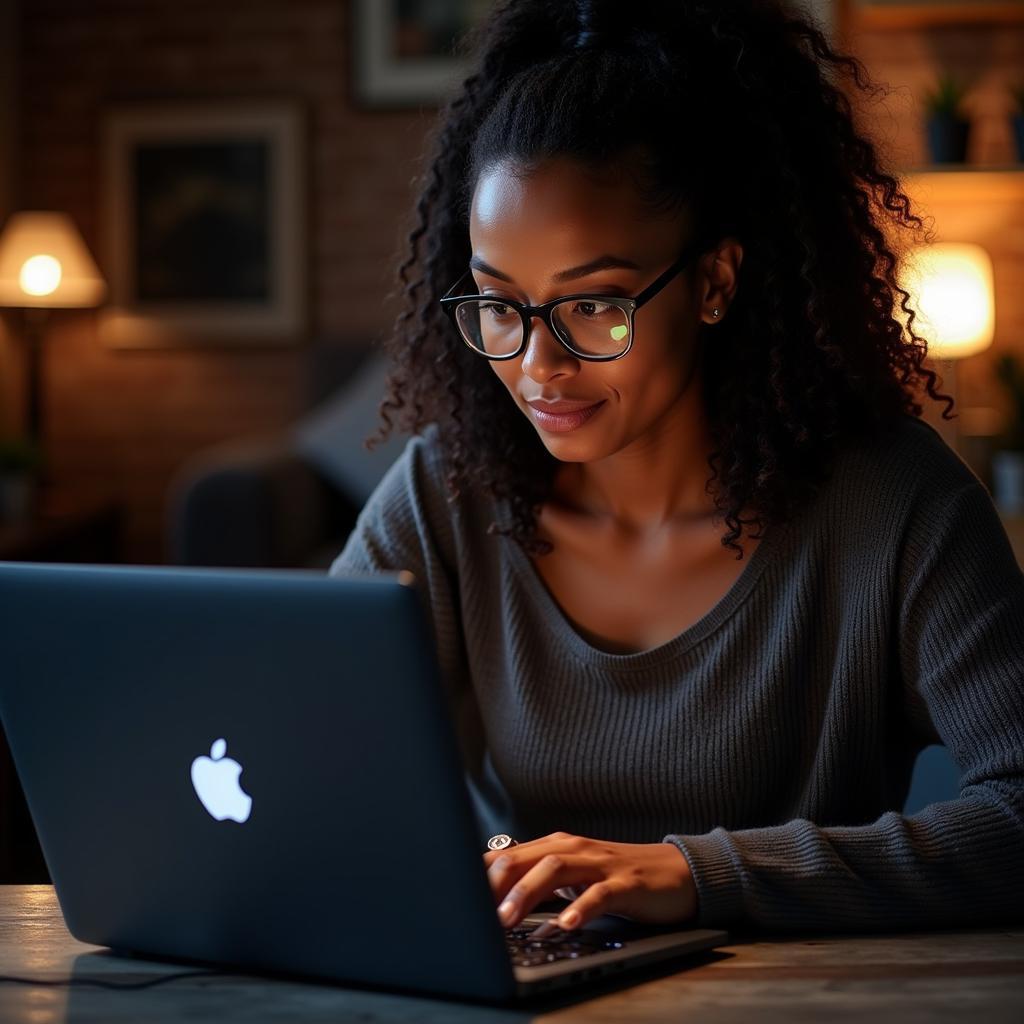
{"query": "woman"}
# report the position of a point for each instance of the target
(658, 236)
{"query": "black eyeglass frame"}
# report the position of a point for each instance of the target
(450, 304)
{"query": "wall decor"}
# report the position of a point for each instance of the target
(403, 50)
(204, 218)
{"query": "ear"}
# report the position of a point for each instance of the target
(720, 273)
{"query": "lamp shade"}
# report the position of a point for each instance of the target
(44, 262)
(950, 285)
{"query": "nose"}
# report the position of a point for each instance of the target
(545, 356)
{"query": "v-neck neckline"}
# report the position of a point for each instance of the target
(682, 642)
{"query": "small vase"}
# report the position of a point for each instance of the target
(947, 138)
(1008, 482)
(1018, 135)
(17, 497)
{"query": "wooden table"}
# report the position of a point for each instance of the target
(950, 975)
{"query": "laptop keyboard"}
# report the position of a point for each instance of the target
(527, 952)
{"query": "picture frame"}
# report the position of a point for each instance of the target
(403, 50)
(204, 223)
(902, 14)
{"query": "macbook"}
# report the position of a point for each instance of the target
(256, 769)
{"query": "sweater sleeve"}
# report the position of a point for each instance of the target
(956, 863)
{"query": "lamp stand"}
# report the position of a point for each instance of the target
(35, 321)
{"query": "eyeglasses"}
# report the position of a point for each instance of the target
(592, 327)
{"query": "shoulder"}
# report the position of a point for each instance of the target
(414, 498)
(891, 495)
(414, 489)
(910, 501)
(907, 466)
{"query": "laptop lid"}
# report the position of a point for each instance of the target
(249, 767)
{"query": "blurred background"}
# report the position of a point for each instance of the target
(203, 206)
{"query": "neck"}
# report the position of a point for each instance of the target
(659, 480)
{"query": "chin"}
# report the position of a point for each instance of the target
(574, 447)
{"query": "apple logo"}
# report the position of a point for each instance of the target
(215, 779)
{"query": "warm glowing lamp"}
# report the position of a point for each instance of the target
(952, 295)
(44, 265)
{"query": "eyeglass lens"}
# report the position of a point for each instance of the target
(588, 326)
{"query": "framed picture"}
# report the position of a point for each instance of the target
(204, 219)
(403, 50)
(896, 14)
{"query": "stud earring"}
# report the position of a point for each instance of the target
(714, 312)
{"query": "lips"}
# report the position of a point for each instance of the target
(560, 406)
(563, 415)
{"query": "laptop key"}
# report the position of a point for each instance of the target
(528, 949)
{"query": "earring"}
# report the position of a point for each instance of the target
(714, 312)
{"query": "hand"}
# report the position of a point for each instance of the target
(648, 882)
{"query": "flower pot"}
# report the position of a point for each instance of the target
(1008, 482)
(1018, 135)
(17, 497)
(947, 138)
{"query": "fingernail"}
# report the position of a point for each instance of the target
(506, 911)
(569, 919)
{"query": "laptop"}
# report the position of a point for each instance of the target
(257, 769)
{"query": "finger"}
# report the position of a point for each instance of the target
(507, 870)
(595, 900)
(537, 883)
(490, 856)
(508, 866)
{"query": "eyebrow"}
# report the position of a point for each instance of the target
(606, 262)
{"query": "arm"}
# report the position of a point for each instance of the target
(955, 863)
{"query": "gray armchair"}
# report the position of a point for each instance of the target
(287, 501)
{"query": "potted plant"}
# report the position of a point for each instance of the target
(20, 463)
(1008, 459)
(1017, 118)
(947, 126)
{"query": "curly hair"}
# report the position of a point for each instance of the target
(813, 353)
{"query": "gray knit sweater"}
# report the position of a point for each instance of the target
(772, 741)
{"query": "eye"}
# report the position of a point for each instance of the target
(591, 308)
(497, 310)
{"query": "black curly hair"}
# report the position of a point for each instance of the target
(812, 353)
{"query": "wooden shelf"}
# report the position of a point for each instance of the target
(965, 183)
(857, 15)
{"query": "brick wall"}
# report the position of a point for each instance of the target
(124, 421)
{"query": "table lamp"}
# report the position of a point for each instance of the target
(44, 264)
(951, 291)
